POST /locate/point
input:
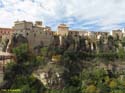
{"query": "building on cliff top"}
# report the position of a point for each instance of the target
(36, 34)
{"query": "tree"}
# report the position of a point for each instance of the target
(73, 66)
(121, 53)
(44, 51)
(21, 53)
(19, 75)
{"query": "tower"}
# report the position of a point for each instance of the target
(62, 29)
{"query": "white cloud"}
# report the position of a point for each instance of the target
(107, 14)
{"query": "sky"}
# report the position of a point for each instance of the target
(93, 15)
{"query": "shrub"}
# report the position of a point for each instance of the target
(113, 84)
(91, 89)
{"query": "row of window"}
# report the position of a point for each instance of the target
(37, 31)
(4, 32)
(40, 33)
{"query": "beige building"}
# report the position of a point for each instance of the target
(63, 29)
(100, 34)
(73, 33)
(78, 33)
(83, 33)
(117, 33)
(5, 33)
(123, 31)
(36, 34)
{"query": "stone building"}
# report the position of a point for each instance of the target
(5, 33)
(78, 33)
(73, 33)
(123, 31)
(63, 29)
(83, 33)
(104, 34)
(5, 36)
(36, 34)
(117, 34)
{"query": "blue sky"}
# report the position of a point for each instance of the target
(94, 15)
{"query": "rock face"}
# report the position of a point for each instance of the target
(15, 40)
(51, 76)
(18, 39)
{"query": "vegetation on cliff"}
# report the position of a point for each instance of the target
(81, 68)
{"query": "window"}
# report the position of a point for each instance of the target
(34, 34)
(27, 34)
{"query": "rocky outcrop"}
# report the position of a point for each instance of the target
(18, 39)
(51, 76)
